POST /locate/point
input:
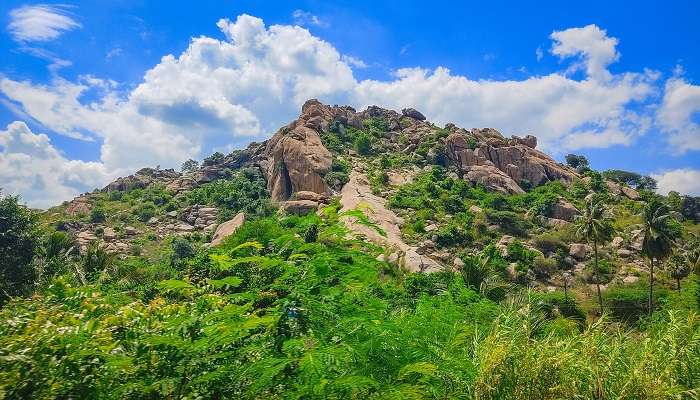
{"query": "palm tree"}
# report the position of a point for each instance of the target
(679, 267)
(659, 237)
(594, 225)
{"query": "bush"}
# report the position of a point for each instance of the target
(363, 144)
(97, 215)
(509, 222)
(145, 212)
(629, 304)
(246, 191)
(549, 243)
(19, 239)
(544, 267)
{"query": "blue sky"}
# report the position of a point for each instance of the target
(86, 93)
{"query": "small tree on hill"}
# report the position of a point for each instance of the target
(678, 267)
(659, 236)
(595, 226)
(578, 162)
(18, 241)
(189, 166)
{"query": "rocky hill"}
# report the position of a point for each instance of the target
(374, 161)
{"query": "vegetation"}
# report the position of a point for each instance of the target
(284, 310)
(19, 238)
(595, 226)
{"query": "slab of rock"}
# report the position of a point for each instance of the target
(630, 193)
(299, 207)
(624, 253)
(613, 187)
(130, 231)
(79, 206)
(183, 227)
(475, 209)
(357, 194)
(636, 239)
(306, 195)
(529, 141)
(578, 251)
(413, 113)
(630, 279)
(564, 210)
(227, 228)
(492, 178)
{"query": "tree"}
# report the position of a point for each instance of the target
(646, 183)
(595, 226)
(189, 166)
(363, 143)
(678, 267)
(18, 241)
(659, 236)
(578, 162)
(214, 159)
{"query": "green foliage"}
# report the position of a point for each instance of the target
(246, 191)
(509, 221)
(145, 211)
(189, 166)
(339, 173)
(19, 238)
(363, 143)
(97, 215)
(269, 315)
(578, 162)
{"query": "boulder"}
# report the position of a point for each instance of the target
(492, 178)
(227, 228)
(617, 242)
(630, 279)
(624, 253)
(636, 239)
(141, 179)
(564, 210)
(109, 235)
(474, 209)
(413, 113)
(295, 158)
(457, 264)
(613, 187)
(183, 227)
(131, 231)
(299, 207)
(306, 195)
(630, 193)
(578, 251)
(529, 141)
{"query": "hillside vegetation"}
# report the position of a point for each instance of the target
(401, 260)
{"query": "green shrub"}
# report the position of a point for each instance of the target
(145, 212)
(508, 221)
(549, 242)
(363, 144)
(544, 267)
(97, 215)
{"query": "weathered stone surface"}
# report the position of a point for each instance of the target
(109, 235)
(199, 216)
(296, 158)
(564, 210)
(78, 206)
(299, 207)
(413, 113)
(630, 279)
(529, 141)
(227, 228)
(141, 179)
(475, 209)
(630, 193)
(617, 242)
(636, 239)
(515, 158)
(306, 195)
(578, 251)
(613, 187)
(357, 194)
(492, 178)
(624, 253)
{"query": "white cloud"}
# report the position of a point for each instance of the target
(219, 93)
(32, 167)
(680, 103)
(353, 61)
(305, 18)
(539, 53)
(40, 23)
(683, 181)
(591, 44)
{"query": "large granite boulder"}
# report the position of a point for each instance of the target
(141, 179)
(413, 113)
(297, 160)
(227, 228)
(564, 210)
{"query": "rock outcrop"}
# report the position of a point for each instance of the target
(227, 229)
(482, 152)
(357, 194)
(141, 179)
(296, 159)
(564, 210)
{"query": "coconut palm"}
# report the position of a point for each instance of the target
(659, 236)
(595, 226)
(678, 267)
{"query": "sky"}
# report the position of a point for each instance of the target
(90, 91)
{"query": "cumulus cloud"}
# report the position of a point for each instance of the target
(40, 23)
(683, 181)
(32, 167)
(223, 93)
(680, 103)
(591, 44)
